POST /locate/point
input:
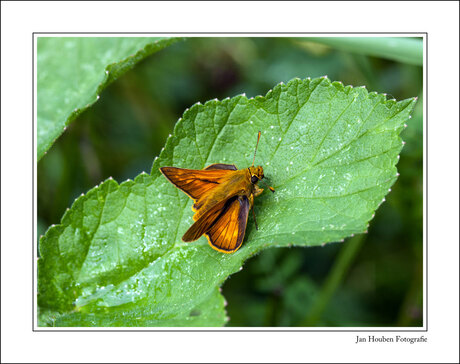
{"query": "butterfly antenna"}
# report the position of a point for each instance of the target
(255, 151)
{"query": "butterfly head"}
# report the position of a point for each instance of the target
(257, 173)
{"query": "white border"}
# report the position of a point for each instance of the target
(20, 19)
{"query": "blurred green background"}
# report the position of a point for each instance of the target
(375, 279)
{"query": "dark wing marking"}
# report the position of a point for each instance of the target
(231, 167)
(194, 182)
(226, 234)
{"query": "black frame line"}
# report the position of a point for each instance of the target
(153, 33)
(229, 329)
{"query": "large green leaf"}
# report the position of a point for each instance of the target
(72, 72)
(117, 258)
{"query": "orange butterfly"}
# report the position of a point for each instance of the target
(222, 196)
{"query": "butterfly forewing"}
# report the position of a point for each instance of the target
(230, 167)
(203, 224)
(193, 182)
(226, 233)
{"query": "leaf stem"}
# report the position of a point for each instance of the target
(333, 280)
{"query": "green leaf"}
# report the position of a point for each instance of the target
(72, 72)
(117, 258)
(405, 50)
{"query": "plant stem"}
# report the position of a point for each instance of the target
(333, 280)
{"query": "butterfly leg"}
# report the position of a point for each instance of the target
(257, 191)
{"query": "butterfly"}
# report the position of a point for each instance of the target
(222, 196)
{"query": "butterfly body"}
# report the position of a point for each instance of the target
(223, 196)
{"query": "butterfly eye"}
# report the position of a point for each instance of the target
(254, 179)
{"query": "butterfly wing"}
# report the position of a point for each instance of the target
(226, 234)
(196, 183)
(203, 224)
(231, 167)
(224, 225)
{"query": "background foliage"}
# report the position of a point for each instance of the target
(375, 280)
